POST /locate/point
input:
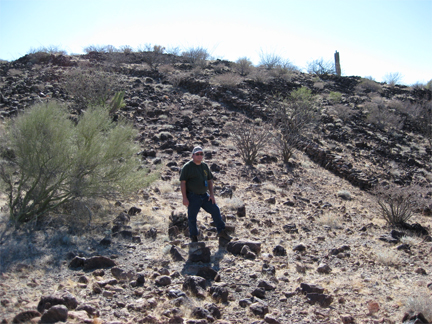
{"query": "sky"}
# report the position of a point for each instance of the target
(373, 37)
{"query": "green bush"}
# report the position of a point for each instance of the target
(335, 96)
(48, 160)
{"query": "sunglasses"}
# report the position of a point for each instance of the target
(199, 153)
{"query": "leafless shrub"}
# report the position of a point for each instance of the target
(153, 55)
(398, 204)
(367, 85)
(244, 66)
(126, 49)
(249, 139)
(393, 78)
(321, 67)
(284, 70)
(51, 50)
(197, 56)
(227, 79)
(380, 116)
(269, 60)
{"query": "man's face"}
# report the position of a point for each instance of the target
(198, 157)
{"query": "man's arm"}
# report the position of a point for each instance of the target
(183, 191)
(210, 186)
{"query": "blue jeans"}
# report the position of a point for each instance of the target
(202, 201)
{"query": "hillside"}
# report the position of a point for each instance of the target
(309, 243)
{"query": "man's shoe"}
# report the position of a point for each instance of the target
(194, 238)
(223, 234)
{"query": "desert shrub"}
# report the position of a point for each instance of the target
(249, 139)
(420, 114)
(51, 50)
(48, 160)
(368, 85)
(197, 56)
(335, 96)
(126, 49)
(177, 78)
(227, 79)
(292, 116)
(380, 116)
(398, 204)
(420, 303)
(321, 67)
(153, 55)
(243, 66)
(284, 70)
(90, 87)
(97, 48)
(260, 75)
(269, 60)
(393, 78)
(344, 112)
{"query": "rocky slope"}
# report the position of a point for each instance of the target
(309, 245)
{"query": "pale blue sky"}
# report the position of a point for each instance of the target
(373, 37)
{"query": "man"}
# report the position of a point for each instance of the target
(196, 179)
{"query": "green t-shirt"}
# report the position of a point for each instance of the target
(196, 177)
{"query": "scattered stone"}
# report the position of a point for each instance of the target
(322, 299)
(324, 268)
(207, 273)
(57, 313)
(66, 299)
(121, 274)
(235, 247)
(421, 271)
(417, 318)
(290, 228)
(220, 294)
(133, 211)
(258, 292)
(241, 211)
(266, 285)
(163, 281)
(196, 285)
(300, 247)
(198, 252)
(25, 316)
(279, 250)
(271, 319)
(259, 309)
(309, 288)
(347, 319)
(151, 233)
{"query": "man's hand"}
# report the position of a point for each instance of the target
(186, 202)
(212, 198)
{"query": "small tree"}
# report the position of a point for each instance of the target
(249, 139)
(397, 204)
(47, 160)
(292, 116)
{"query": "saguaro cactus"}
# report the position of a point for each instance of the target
(337, 63)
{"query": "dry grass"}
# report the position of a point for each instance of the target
(387, 257)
